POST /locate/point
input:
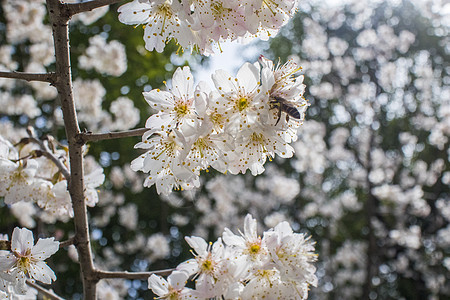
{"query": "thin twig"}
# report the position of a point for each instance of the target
(66, 243)
(76, 8)
(45, 77)
(47, 153)
(132, 275)
(47, 294)
(94, 137)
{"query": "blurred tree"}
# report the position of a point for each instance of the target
(373, 158)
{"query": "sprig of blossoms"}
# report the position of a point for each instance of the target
(198, 24)
(237, 126)
(28, 176)
(25, 260)
(277, 265)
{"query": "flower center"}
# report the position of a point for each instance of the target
(181, 109)
(242, 103)
(207, 266)
(23, 263)
(254, 249)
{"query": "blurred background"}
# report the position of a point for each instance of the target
(369, 181)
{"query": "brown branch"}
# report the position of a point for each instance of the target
(132, 275)
(59, 20)
(76, 8)
(47, 294)
(85, 137)
(45, 77)
(67, 242)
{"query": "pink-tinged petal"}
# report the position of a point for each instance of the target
(178, 279)
(22, 240)
(44, 248)
(158, 285)
(40, 271)
(198, 244)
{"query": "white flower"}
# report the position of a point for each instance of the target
(162, 162)
(249, 245)
(254, 146)
(176, 106)
(108, 58)
(210, 265)
(267, 284)
(292, 254)
(55, 199)
(209, 149)
(28, 259)
(16, 180)
(238, 99)
(172, 288)
(91, 181)
(126, 115)
(161, 22)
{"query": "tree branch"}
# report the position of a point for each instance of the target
(76, 8)
(59, 20)
(85, 137)
(45, 77)
(132, 275)
(67, 242)
(47, 294)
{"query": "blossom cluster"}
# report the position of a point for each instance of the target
(107, 58)
(29, 178)
(237, 126)
(25, 260)
(198, 24)
(246, 266)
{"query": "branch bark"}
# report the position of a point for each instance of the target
(85, 137)
(47, 294)
(59, 20)
(45, 77)
(132, 275)
(76, 8)
(66, 243)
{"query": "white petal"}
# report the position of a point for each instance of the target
(158, 285)
(177, 280)
(40, 271)
(45, 248)
(198, 244)
(22, 239)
